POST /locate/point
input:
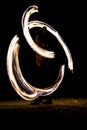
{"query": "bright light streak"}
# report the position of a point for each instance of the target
(21, 86)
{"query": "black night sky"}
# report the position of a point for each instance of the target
(68, 19)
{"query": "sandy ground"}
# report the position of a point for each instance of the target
(61, 113)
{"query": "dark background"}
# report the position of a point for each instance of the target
(68, 18)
